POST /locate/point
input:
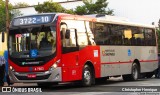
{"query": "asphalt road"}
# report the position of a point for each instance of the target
(113, 86)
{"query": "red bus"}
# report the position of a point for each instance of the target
(54, 47)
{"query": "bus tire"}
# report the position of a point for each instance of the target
(87, 76)
(134, 73)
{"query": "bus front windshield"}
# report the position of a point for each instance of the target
(41, 39)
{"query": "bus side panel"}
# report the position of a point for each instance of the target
(70, 66)
(73, 63)
(116, 60)
(92, 54)
(147, 55)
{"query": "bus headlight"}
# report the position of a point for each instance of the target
(55, 65)
(11, 68)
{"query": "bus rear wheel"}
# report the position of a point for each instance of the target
(134, 73)
(87, 76)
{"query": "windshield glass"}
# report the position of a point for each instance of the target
(32, 42)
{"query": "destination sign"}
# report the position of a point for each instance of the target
(38, 19)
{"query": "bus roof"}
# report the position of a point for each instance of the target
(102, 18)
(63, 15)
(121, 21)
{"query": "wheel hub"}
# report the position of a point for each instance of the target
(87, 76)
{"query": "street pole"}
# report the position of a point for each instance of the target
(7, 17)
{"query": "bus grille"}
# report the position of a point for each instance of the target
(37, 77)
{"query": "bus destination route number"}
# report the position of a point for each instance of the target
(32, 20)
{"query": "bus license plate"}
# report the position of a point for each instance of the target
(31, 75)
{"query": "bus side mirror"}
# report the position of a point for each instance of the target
(3, 37)
(67, 35)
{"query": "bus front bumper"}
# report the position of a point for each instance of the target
(54, 75)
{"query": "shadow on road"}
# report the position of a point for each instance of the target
(101, 86)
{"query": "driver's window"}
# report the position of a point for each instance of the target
(73, 38)
(65, 41)
(72, 27)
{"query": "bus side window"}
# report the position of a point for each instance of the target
(73, 38)
(127, 36)
(116, 32)
(65, 40)
(150, 37)
(138, 35)
(99, 33)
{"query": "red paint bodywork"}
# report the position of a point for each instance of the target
(76, 61)
(72, 63)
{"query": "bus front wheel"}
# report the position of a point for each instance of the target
(87, 76)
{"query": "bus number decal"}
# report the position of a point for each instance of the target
(27, 21)
(32, 20)
(21, 21)
(38, 68)
(45, 19)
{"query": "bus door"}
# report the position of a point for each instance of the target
(70, 54)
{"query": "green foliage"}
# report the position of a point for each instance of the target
(3, 15)
(12, 13)
(89, 7)
(21, 4)
(81, 10)
(15, 13)
(69, 11)
(50, 6)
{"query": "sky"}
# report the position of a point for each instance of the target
(140, 11)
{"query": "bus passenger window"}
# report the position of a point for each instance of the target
(150, 39)
(127, 36)
(99, 34)
(116, 34)
(138, 35)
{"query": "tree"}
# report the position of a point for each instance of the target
(90, 7)
(50, 6)
(12, 13)
(3, 15)
(15, 13)
(21, 4)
